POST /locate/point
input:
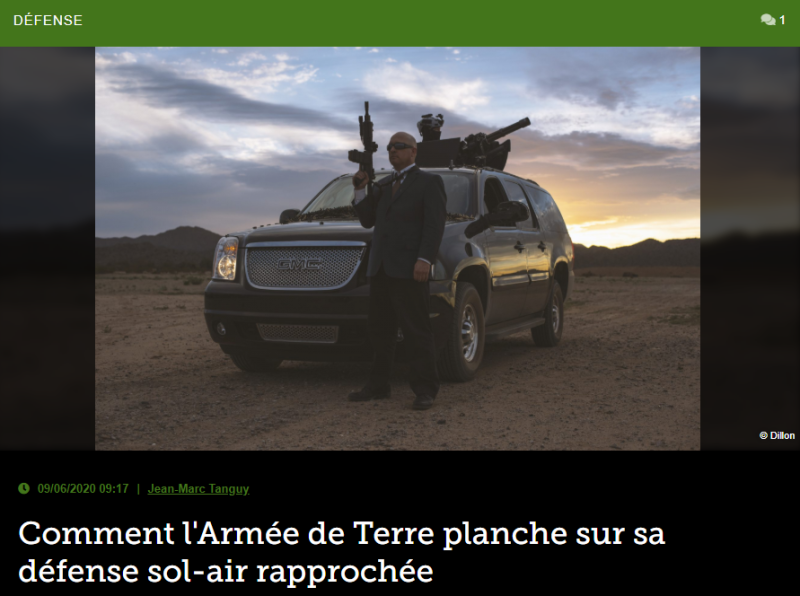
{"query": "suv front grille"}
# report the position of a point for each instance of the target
(311, 334)
(310, 268)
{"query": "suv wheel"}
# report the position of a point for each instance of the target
(462, 354)
(249, 363)
(549, 334)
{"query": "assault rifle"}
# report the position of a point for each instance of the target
(481, 150)
(364, 158)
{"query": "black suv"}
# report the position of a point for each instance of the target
(298, 290)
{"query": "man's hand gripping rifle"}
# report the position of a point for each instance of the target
(364, 158)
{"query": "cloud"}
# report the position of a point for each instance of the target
(373, 51)
(113, 59)
(596, 196)
(407, 83)
(220, 51)
(688, 193)
(391, 116)
(593, 149)
(305, 75)
(260, 80)
(200, 99)
(254, 75)
(612, 78)
(247, 58)
(233, 195)
(163, 148)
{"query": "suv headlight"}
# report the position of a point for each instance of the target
(225, 259)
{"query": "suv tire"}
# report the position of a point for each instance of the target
(549, 334)
(256, 364)
(462, 353)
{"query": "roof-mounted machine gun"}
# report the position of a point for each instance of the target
(484, 150)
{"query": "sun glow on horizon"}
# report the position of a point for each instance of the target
(612, 235)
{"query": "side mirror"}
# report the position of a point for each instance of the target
(288, 215)
(507, 214)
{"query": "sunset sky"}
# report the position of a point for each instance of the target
(227, 138)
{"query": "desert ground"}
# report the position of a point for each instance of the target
(626, 376)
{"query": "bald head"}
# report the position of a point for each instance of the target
(404, 137)
(402, 158)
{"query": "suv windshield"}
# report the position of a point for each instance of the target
(334, 202)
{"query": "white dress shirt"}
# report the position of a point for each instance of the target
(360, 194)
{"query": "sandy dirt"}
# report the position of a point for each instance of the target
(639, 271)
(626, 376)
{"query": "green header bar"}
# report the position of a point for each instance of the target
(411, 23)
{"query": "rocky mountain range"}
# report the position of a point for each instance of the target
(647, 253)
(189, 238)
(183, 249)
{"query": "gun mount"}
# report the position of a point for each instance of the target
(484, 150)
(477, 150)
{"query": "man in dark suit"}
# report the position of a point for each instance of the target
(408, 215)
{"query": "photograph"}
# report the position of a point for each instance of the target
(410, 248)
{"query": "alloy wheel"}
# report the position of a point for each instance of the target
(469, 333)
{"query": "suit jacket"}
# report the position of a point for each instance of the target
(408, 226)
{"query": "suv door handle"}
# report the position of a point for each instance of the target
(519, 246)
(543, 246)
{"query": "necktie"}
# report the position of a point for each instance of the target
(396, 184)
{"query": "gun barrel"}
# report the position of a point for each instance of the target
(364, 158)
(498, 134)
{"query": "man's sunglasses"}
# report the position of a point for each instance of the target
(398, 146)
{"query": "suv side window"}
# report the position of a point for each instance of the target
(551, 216)
(493, 194)
(515, 193)
(560, 224)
